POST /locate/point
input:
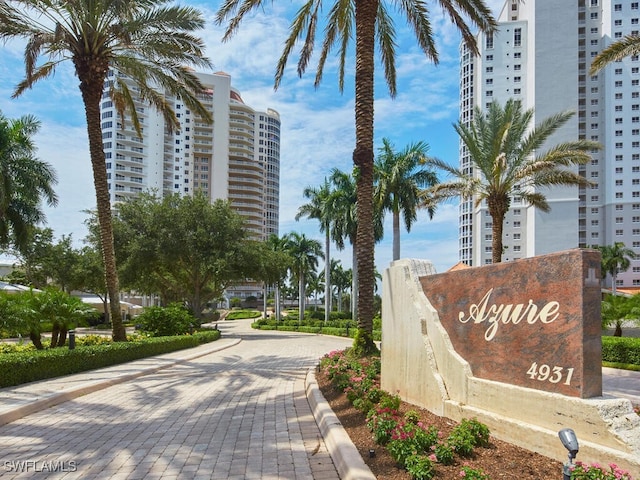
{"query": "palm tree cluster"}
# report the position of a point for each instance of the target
(147, 42)
(508, 160)
(24, 181)
(372, 23)
(400, 179)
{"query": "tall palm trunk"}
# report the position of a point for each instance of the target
(91, 83)
(327, 275)
(396, 235)
(301, 295)
(354, 283)
(276, 296)
(363, 159)
(498, 210)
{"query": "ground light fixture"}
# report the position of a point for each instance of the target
(570, 442)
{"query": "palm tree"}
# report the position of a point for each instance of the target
(625, 47)
(507, 161)
(321, 208)
(373, 22)
(146, 43)
(24, 181)
(400, 177)
(277, 264)
(305, 252)
(615, 258)
(346, 224)
(341, 281)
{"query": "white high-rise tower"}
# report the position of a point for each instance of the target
(541, 55)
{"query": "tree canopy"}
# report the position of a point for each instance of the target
(183, 248)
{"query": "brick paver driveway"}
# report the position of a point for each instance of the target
(238, 413)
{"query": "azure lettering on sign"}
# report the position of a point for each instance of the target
(495, 314)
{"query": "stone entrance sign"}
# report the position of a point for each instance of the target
(533, 322)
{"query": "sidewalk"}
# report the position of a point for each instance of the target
(22, 401)
(259, 415)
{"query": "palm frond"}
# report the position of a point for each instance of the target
(625, 47)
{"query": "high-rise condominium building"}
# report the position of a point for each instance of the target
(235, 158)
(541, 55)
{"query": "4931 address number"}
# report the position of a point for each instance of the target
(545, 373)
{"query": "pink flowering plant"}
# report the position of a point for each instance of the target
(469, 473)
(420, 467)
(416, 447)
(595, 471)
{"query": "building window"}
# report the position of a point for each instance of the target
(618, 108)
(517, 37)
(516, 224)
(619, 207)
(516, 236)
(619, 219)
(618, 194)
(619, 232)
(617, 7)
(489, 69)
(594, 223)
(489, 41)
(619, 170)
(517, 91)
(489, 58)
(517, 55)
(489, 81)
(517, 79)
(594, 210)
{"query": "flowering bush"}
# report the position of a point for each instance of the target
(469, 473)
(636, 408)
(382, 423)
(414, 446)
(444, 454)
(420, 467)
(598, 472)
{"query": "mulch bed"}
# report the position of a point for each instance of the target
(500, 460)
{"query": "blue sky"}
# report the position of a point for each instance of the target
(317, 124)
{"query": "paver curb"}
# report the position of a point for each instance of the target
(345, 455)
(90, 387)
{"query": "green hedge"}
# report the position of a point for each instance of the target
(336, 331)
(241, 314)
(621, 350)
(23, 367)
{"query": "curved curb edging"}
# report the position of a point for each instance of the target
(343, 452)
(90, 387)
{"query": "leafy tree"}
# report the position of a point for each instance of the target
(183, 248)
(321, 207)
(508, 161)
(400, 178)
(615, 258)
(305, 253)
(625, 47)
(618, 308)
(62, 310)
(372, 22)
(33, 257)
(274, 263)
(25, 181)
(148, 43)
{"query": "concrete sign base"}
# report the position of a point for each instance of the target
(421, 364)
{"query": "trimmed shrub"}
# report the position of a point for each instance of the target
(174, 319)
(621, 350)
(28, 366)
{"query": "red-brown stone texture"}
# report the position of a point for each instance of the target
(533, 322)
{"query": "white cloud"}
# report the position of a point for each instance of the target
(318, 131)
